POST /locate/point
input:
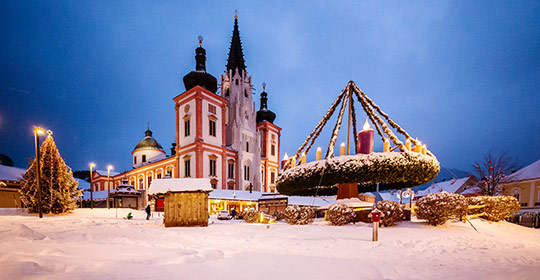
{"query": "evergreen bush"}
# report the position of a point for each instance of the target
(496, 208)
(251, 215)
(339, 214)
(437, 208)
(392, 212)
(296, 215)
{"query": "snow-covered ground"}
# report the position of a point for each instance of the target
(94, 244)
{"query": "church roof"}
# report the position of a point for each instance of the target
(200, 77)
(264, 114)
(236, 55)
(148, 142)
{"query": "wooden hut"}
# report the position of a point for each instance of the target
(186, 200)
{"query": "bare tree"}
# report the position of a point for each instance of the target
(492, 171)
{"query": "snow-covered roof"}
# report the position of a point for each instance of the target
(11, 173)
(309, 201)
(352, 202)
(104, 173)
(83, 184)
(179, 185)
(96, 195)
(451, 186)
(529, 172)
(125, 189)
(235, 195)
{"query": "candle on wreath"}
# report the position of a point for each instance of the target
(408, 144)
(424, 149)
(386, 146)
(342, 149)
(318, 154)
(365, 139)
(293, 161)
(303, 158)
(284, 161)
(418, 147)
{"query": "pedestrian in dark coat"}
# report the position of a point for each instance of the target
(147, 209)
(233, 214)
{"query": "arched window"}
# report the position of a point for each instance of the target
(227, 92)
(245, 93)
(247, 147)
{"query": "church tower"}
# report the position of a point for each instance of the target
(241, 131)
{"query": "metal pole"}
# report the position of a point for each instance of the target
(37, 174)
(108, 188)
(91, 190)
(375, 231)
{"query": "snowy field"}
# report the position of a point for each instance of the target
(94, 244)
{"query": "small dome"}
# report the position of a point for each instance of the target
(148, 142)
(264, 114)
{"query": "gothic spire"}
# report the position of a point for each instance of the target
(236, 56)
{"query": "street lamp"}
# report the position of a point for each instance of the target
(109, 167)
(38, 131)
(91, 189)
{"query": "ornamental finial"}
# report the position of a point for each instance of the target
(235, 14)
(264, 86)
(200, 40)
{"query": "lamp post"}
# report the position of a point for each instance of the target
(109, 167)
(91, 188)
(37, 132)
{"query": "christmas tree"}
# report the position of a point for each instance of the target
(58, 187)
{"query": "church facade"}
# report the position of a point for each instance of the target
(221, 136)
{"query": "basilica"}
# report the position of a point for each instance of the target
(220, 134)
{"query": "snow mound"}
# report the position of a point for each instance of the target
(25, 232)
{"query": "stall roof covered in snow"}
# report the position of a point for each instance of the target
(352, 202)
(309, 201)
(180, 185)
(235, 195)
(529, 172)
(11, 173)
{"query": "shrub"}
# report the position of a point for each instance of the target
(496, 208)
(339, 214)
(251, 215)
(437, 208)
(279, 215)
(392, 212)
(296, 215)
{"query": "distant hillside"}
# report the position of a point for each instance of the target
(445, 175)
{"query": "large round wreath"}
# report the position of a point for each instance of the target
(390, 169)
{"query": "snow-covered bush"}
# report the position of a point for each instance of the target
(392, 212)
(339, 214)
(437, 208)
(496, 208)
(296, 215)
(251, 215)
(279, 215)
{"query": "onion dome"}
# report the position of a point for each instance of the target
(148, 142)
(199, 77)
(264, 114)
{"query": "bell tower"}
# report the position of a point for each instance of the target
(241, 131)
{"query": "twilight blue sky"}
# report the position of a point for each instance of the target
(462, 76)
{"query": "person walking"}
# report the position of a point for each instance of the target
(233, 213)
(147, 209)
